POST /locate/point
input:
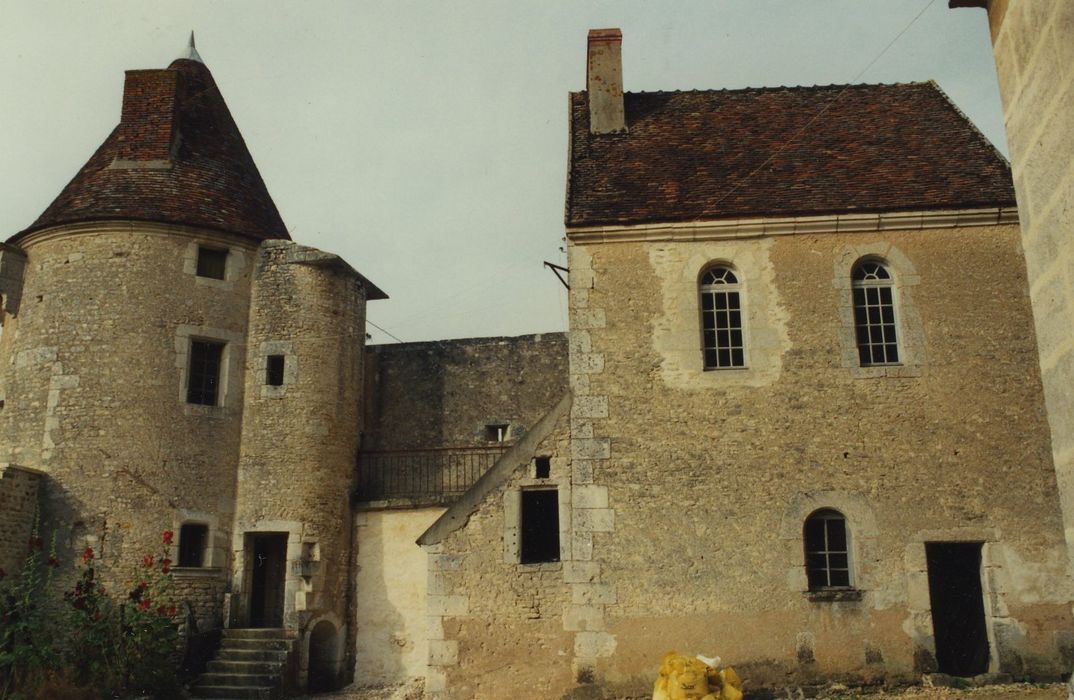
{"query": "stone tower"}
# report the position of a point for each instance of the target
(171, 361)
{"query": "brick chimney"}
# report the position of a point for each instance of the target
(604, 81)
(149, 123)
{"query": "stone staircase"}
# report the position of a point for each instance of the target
(251, 663)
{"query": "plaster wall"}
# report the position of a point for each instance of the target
(390, 590)
(1034, 50)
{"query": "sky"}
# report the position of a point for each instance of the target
(425, 141)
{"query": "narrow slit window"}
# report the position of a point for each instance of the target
(874, 314)
(496, 432)
(203, 386)
(542, 467)
(274, 370)
(722, 336)
(212, 262)
(540, 527)
(192, 539)
(827, 552)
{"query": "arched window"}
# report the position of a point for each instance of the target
(874, 313)
(827, 551)
(722, 339)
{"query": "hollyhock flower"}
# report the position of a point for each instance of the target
(35, 543)
(168, 535)
(165, 565)
(53, 561)
(147, 560)
(144, 604)
(171, 611)
(162, 610)
(87, 555)
(142, 585)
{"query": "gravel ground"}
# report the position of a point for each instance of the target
(1021, 691)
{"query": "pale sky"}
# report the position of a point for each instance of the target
(424, 141)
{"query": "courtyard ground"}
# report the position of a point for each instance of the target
(1013, 691)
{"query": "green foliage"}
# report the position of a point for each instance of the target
(26, 647)
(108, 647)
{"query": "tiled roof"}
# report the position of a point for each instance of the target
(689, 156)
(176, 157)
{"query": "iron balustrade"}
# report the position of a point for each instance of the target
(435, 475)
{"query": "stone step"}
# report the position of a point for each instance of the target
(274, 655)
(244, 667)
(234, 692)
(259, 633)
(237, 679)
(256, 644)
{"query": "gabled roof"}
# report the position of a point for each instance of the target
(176, 157)
(689, 156)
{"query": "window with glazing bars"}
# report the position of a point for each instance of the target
(874, 314)
(203, 385)
(722, 338)
(826, 552)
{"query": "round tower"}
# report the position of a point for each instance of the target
(122, 365)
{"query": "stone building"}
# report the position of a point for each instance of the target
(798, 404)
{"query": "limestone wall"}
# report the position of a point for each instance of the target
(443, 393)
(19, 497)
(1034, 49)
(300, 438)
(710, 474)
(93, 375)
(390, 595)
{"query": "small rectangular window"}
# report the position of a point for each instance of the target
(192, 540)
(542, 467)
(203, 386)
(496, 432)
(274, 370)
(540, 527)
(212, 262)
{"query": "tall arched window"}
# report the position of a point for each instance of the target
(827, 551)
(722, 337)
(874, 313)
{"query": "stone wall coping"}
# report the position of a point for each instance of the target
(137, 227)
(459, 514)
(782, 226)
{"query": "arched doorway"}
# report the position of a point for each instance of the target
(323, 671)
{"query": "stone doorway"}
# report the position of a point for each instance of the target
(958, 614)
(266, 562)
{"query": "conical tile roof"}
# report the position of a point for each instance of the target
(176, 157)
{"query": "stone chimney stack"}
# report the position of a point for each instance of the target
(604, 81)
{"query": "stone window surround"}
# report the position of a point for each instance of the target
(229, 366)
(290, 367)
(909, 329)
(512, 523)
(233, 267)
(861, 542)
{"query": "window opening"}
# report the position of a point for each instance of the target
(212, 262)
(274, 370)
(874, 314)
(192, 538)
(542, 467)
(723, 342)
(540, 527)
(826, 552)
(496, 432)
(204, 382)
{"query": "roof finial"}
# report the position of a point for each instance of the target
(192, 53)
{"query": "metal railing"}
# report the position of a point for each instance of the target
(429, 476)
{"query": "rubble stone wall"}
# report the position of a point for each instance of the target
(19, 491)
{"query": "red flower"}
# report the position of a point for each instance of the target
(171, 611)
(87, 555)
(162, 610)
(144, 604)
(147, 560)
(35, 543)
(53, 561)
(165, 565)
(168, 535)
(142, 585)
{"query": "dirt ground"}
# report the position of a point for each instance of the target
(1014, 691)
